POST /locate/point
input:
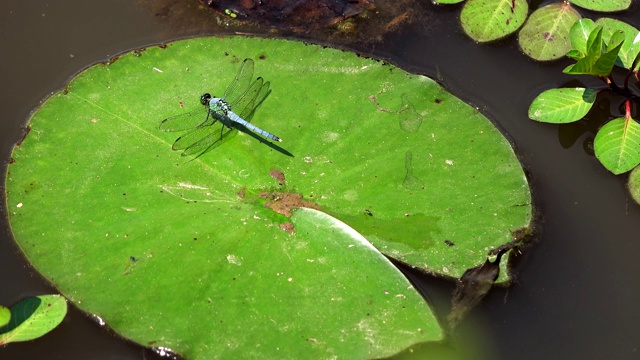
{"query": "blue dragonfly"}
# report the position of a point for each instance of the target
(209, 126)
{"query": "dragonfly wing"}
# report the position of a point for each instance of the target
(251, 99)
(240, 83)
(197, 134)
(185, 121)
(209, 142)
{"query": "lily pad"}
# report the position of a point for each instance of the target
(546, 34)
(33, 317)
(107, 211)
(487, 20)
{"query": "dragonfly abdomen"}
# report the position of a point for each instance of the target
(235, 118)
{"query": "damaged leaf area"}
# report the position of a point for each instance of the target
(229, 244)
(284, 202)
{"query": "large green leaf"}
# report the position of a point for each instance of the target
(561, 106)
(33, 317)
(175, 253)
(487, 20)
(546, 34)
(617, 145)
(603, 5)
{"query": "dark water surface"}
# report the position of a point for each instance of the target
(577, 293)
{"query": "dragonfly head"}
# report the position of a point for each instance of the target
(204, 99)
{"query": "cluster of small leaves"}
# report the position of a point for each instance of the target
(598, 47)
(31, 318)
(544, 35)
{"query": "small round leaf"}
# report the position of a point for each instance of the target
(546, 34)
(603, 5)
(487, 20)
(617, 145)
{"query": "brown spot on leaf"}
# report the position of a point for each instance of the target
(283, 202)
(548, 36)
(278, 175)
(288, 227)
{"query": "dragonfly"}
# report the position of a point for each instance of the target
(209, 126)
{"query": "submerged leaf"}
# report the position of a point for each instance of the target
(474, 285)
(546, 34)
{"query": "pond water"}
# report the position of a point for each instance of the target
(576, 293)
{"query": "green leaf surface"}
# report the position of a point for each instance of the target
(603, 5)
(546, 34)
(631, 47)
(617, 145)
(579, 35)
(103, 207)
(604, 65)
(487, 20)
(33, 317)
(560, 106)
(595, 50)
(5, 316)
(634, 184)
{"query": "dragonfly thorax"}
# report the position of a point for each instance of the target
(217, 105)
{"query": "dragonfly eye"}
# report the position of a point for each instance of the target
(204, 99)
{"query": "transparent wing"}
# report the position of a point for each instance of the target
(198, 134)
(240, 83)
(251, 99)
(210, 141)
(186, 121)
